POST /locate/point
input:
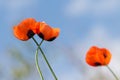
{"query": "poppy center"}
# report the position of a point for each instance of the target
(104, 55)
(30, 34)
(97, 64)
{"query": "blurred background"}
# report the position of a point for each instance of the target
(83, 23)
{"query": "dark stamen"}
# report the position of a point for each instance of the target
(104, 55)
(41, 35)
(97, 64)
(30, 34)
(51, 39)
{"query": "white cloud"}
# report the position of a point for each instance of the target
(78, 7)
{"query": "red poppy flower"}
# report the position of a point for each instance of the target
(98, 56)
(25, 30)
(46, 32)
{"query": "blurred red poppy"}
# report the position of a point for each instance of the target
(98, 56)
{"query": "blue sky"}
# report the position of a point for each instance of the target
(83, 23)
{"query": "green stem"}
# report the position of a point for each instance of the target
(112, 72)
(45, 57)
(37, 65)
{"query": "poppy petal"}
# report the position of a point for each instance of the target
(46, 32)
(25, 29)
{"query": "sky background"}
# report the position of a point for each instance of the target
(83, 23)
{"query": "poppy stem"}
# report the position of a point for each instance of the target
(112, 72)
(37, 65)
(45, 57)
